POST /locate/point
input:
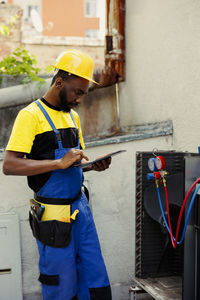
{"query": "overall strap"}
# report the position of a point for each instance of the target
(57, 133)
(71, 114)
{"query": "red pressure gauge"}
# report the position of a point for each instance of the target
(160, 162)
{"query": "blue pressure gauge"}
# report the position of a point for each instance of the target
(151, 164)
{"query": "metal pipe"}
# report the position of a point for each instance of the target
(25, 93)
(117, 107)
(22, 94)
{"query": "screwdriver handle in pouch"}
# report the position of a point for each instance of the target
(42, 208)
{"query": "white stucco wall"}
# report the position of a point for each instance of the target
(162, 82)
(163, 67)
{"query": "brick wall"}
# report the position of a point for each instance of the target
(46, 49)
(8, 44)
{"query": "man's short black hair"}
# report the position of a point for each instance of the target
(64, 75)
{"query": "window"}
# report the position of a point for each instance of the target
(91, 33)
(91, 8)
(30, 7)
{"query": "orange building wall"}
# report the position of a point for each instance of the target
(68, 18)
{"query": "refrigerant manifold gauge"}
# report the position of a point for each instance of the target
(151, 164)
(160, 162)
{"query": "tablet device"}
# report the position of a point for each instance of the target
(79, 164)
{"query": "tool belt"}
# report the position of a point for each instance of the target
(51, 220)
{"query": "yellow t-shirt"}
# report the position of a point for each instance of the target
(33, 135)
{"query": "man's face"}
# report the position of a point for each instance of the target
(71, 94)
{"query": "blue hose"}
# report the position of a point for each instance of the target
(162, 211)
(187, 217)
(188, 213)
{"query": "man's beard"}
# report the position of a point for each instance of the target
(64, 104)
(63, 101)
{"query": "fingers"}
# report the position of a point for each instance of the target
(99, 166)
(75, 155)
(71, 157)
(81, 155)
(84, 156)
(109, 160)
(102, 165)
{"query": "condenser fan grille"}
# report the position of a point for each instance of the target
(154, 255)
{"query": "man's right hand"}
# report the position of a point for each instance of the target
(71, 157)
(16, 164)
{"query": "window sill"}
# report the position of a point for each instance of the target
(138, 132)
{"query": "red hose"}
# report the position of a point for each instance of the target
(174, 243)
(182, 209)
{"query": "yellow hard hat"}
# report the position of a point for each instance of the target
(77, 63)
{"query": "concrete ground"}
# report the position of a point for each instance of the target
(121, 292)
(118, 293)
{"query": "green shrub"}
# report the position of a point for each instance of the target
(21, 62)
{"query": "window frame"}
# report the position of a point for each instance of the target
(29, 8)
(89, 15)
(94, 33)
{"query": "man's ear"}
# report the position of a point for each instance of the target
(59, 82)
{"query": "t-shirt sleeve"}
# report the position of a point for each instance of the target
(23, 132)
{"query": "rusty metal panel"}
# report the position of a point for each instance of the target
(115, 37)
(114, 70)
(98, 113)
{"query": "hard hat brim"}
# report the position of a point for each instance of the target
(85, 77)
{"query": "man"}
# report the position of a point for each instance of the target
(45, 142)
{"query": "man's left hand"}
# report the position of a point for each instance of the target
(101, 165)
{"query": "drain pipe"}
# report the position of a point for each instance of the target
(117, 107)
(22, 94)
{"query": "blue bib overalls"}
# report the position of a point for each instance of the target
(77, 269)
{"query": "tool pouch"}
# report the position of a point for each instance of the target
(52, 233)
